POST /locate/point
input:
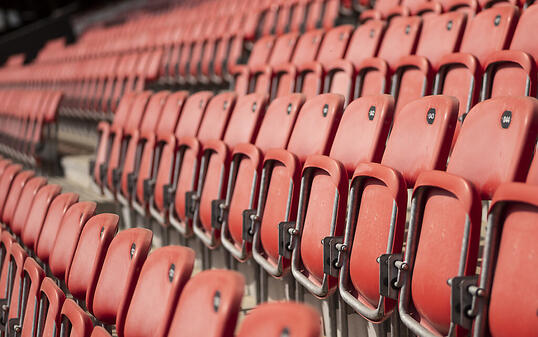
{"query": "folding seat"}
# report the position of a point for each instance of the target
(413, 75)
(50, 305)
(187, 153)
(242, 127)
(287, 319)
(136, 136)
(106, 85)
(90, 252)
(75, 322)
(57, 209)
(284, 75)
(446, 208)
(310, 74)
(11, 283)
(459, 73)
(322, 14)
(261, 52)
(25, 321)
(384, 9)
(114, 163)
(106, 135)
(513, 72)
(122, 83)
(245, 168)
(209, 305)
(400, 40)
(510, 242)
(279, 192)
(67, 237)
(161, 281)
(469, 7)
(25, 204)
(484, 4)
(37, 214)
(121, 267)
(172, 128)
(12, 201)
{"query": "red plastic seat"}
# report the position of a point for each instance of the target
(75, 322)
(209, 305)
(124, 259)
(25, 203)
(50, 306)
(12, 201)
(450, 208)
(242, 127)
(287, 319)
(12, 280)
(161, 281)
(281, 169)
(67, 237)
(258, 57)
(100, 332)
(90, 252)
(47, 237)
(26, 321)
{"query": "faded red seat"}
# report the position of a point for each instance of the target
(25, 203)
(75, 322)
(26, 320)
(50, 306)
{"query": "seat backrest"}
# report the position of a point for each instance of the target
(287, 319)
(426, 125)
(170, 114)
(5, 182)
(488, 31)
(33, 274)
(14, 194)
(90, 253)
(192, 114)
(122, 112)
(51, 302)
(15, 282)
(25, 204)
(55, 214)
(496, 143)
(245, 120)
(283, 49)
(124, 259)
(137, 111)
(307, 47)
(161, 281)
(75, 322)
(67, 237)
(209, 305)
(334, 44)
(321, 113)
(38, 212)
(523, 38)
(365, 41)
(216, 116)
(153, 112)
(363, 130)
(400, 39)
(261, 51)
(440, 35)
(278, 122)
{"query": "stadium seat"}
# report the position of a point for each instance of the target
(100, 332)
(287, 319)
(25, 323)
(447, 208)
(161, 281)
(50, 306)
(25, 203)
(124, 259)
(244, 172)
(75, 322)
(209, 305)
(90, 252)
(12, 201)
(12, 283)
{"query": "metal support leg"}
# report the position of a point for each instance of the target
(395, 324)
(291, 286)
(342, 317)
(329, 309)
(261, 285)
(206, 256)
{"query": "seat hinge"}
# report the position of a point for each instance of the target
(333, 250)
(219, 211)
(250, 222)
(391, 269)
(464, 296)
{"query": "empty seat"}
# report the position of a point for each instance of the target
(75, 322)
(245, 174)
(124, 259)
(209, 305)
(50, 305)
(12, 279)
(258, 57)
(90, 253)
(47, 237)
(287, 319)
(12, 201)
(279, 186)
(25, 322)
(449, 209)
(25, 203)
(161, 281)
(100, 332)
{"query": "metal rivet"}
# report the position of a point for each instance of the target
(449, 25)
(216, 301)
(506, 119)
(133, 250)
(497, 20)
(430, 115)
(254, 106)
(407, 29)
(225, 105)
(372, 33)
(290, 106)
(102, 231)
(171, 272)
(325, 110)
(285, 333)
(371, 112)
